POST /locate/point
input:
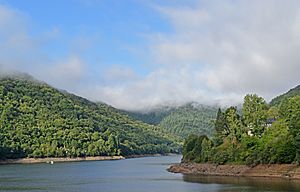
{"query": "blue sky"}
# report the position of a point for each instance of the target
(137, 54)
(109, 29)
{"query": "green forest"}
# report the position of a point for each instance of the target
(152, 117)
(262, 134)
(37, 120)
(191, 118)
(291, 93)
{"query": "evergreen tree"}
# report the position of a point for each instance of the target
(221, 128)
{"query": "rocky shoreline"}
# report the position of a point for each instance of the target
(54, 160)
(291, 171)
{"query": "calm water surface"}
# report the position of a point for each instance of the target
(132, 175)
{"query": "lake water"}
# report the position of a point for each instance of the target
(131, 175)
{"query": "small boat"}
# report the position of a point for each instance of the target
(51, 162)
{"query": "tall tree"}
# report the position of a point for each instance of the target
(220, 123)
(233, 121)
(221, 128)
(255, 113)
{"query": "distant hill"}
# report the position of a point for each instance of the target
(191, 118)
(37, 120)
(153, 116)
(291, 93)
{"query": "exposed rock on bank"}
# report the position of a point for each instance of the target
(273, 170)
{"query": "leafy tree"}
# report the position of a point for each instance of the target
(279, 143)
(255, 113)
(195, 148)
(273, 112)
(233, 121)
(290, 111)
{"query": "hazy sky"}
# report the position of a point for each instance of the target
(139, 53)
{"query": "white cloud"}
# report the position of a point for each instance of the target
(240, 46)
(218, 52)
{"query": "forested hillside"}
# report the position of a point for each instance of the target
(37, 120)
(291, 93)
(264, 134)
(191, 118)
(152, 117)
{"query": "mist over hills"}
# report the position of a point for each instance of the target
(37, 120)
(190, 118)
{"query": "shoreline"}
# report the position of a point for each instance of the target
(75, 159)
(289, 171)
(58, 159)
(150, 155)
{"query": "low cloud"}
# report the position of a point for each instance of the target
(68, 72)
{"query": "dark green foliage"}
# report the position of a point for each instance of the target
(220, 123)
(196, 148)
(249, 139)
(221, 128)
(37, 120)
(290, 111)
(291, 93)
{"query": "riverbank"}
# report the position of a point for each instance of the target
(59, 159)
(150, 155)
(67, 159)
(291, 171)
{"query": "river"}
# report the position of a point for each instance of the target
(146, 174)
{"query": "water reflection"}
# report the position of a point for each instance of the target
(131, 175)
(247, 183)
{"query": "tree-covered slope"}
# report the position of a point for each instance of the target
(189, 119)
(37, 120)
(152, 117)
(291, 93)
